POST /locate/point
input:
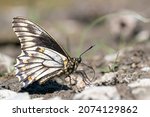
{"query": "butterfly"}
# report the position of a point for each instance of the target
(41, 58)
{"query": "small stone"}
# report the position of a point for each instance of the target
(141, 93)
(140, 83)
(146, 69)
(107, 78)
(98, 93)
(11, 95)
(40, 98)
(141, 88)
(21, 96)
(80, 84)
(133, 65)
(75, 82)
(56, 98)
(7, 94)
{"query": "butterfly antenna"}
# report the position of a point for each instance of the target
(86, 50)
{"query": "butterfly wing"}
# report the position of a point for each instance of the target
(41, 55)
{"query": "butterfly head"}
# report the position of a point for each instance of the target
(78, 60)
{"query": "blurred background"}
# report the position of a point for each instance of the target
(77, 24)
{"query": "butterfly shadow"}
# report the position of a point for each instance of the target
(48, 87)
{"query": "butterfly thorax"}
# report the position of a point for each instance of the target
(70, 65)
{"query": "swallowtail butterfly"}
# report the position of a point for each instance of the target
(41, 58)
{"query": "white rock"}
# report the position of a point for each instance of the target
(98, 93)
(11, 95)
(146, 69)
(141, 88)
(6, 94)
(106, 78)
(77, 81)
(142, 93)
(140, 83)
(56, 98)
(21, 96)
(40, 98)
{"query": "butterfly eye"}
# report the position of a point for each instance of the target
(79, 60)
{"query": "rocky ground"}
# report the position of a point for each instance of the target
(127, 77)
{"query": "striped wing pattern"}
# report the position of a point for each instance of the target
(40, 57)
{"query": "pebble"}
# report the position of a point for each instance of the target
(107, 78)
(98, 93)
(140, 83)
(146, 69)
(56, 98)
(141, 88)
(11, 95)
(77, 83)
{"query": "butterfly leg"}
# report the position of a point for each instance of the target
(72, 83)
(85, 77)
(91, 69)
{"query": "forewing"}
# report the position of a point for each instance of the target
(31, 35)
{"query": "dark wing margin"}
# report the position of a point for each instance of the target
(28, 32)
